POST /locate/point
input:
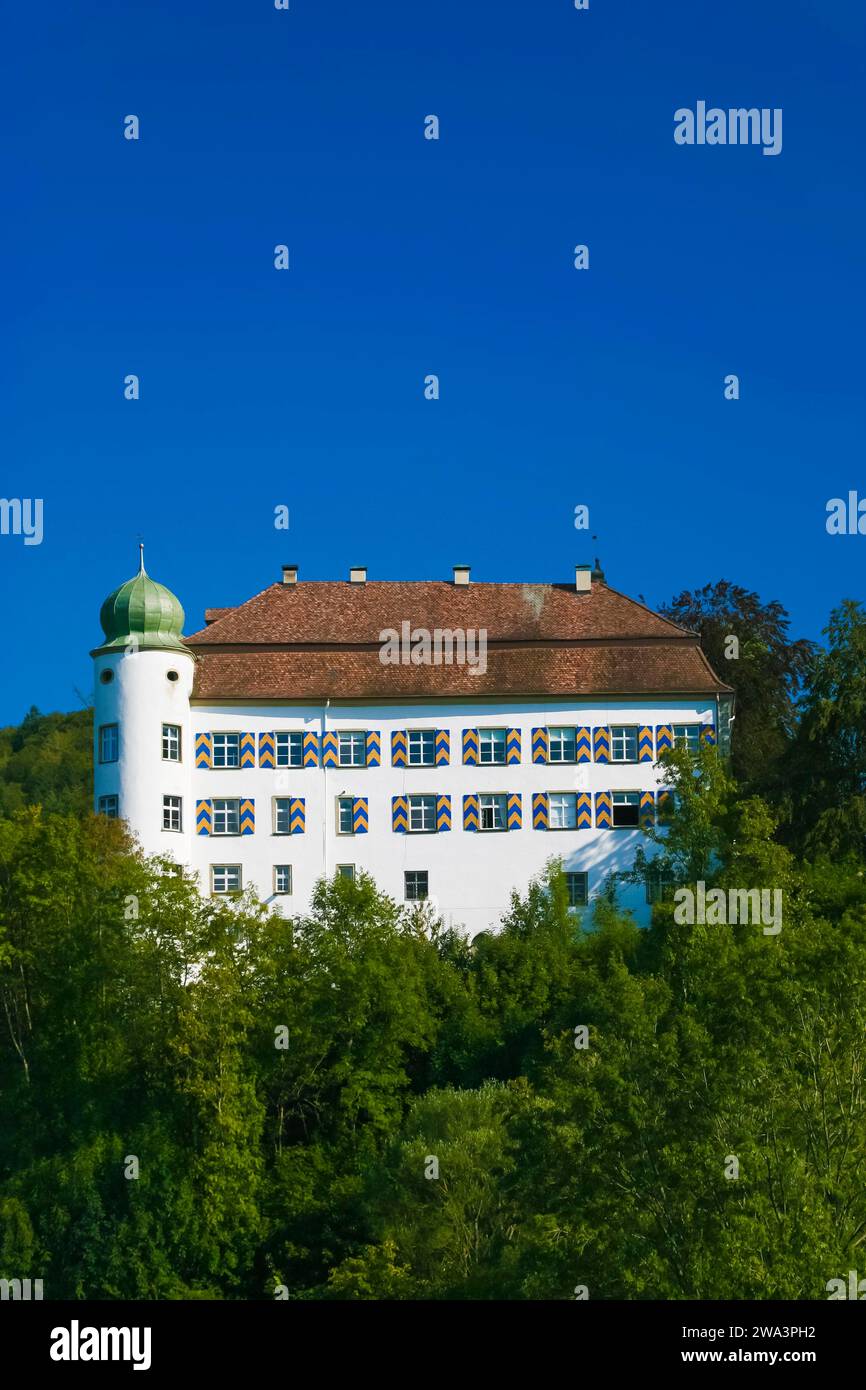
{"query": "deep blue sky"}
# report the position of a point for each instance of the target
(411, 257)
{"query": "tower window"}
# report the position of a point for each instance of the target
(172, 675)
(108, 806)
(106, 677)
(171, 743)
(172, 813)
(108, 743)
(416, 885)
(346, 871)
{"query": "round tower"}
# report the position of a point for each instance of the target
(143, 754)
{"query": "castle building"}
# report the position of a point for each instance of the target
(448, 738)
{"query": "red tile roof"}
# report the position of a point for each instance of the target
(321, 640)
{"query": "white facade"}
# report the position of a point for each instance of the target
(471, 874)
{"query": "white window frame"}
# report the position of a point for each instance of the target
(284, 742)
(169, 731)
(227, 801)
(225, 869)
(415, 897)
(351, 867)
(421, 736)
(278, 891)
(353, 735)
(498, 801)
(170, 805)
(687, 732)
(560, 733)
(422, 802)
(342, 802)
(570, 797)
(103, 810)
(225, 734)
(623, 733)
(109, 734)
(279, 801)
(493, 739)
(629, 798)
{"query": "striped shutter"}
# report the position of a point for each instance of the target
(443, 813)
(601, 741)
(374, 748)
(311, 748)
(248, 816)
(330, 750)
(664, 802)
(645, 744)
(514, 811)
(297, 816)
(442, 756)
(248, 750)
(204, 750)
(540, 745)
(470, 747)
(399, 748)
(512, 746)
(664, 738)
(584, 811)
(583, 745)
(647, 810)
(360, 816)
(540, 811)
(470, 811)
(603, 811)
(204, 817)
(267, 750)
(708, 735)
(399, 814)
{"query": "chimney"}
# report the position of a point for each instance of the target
(461, 574)
(358, 574)
(582, 578)
(290, 574)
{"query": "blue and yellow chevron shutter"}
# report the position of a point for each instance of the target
(470, 747)
(204, 750)
(664, 738)
(512, 746)
(514, 811)
(664, 802)
(470, 811)
(603, 811)
(399, 748)
(297, 816)
(248, 750)
(360, 816)
(374, 748)
(311, 748)
(443, 813)
(267, 750)
(203, 818)
(582, 745)
(602, 745)
(584, 811)
(248, 816)
(399, 814)
(540, 811)
(645, 744)
(442, 756)
(647, 810)
(708, 735)
(330, 750)
(540, 745)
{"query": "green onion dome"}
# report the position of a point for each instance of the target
(142, 613)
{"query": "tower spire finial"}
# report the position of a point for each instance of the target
(141, 568)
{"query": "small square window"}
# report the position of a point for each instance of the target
(108, 743)
(226, 750)
(352, 748)
(346, 870)
(345, 815)
(422, 747)
(562, 810)
(626, 809)
(623, 743)
(290, 750)
(577, 885)
(226, 817)
(416, 885)
(491, 746)
(172, 813)
(171, 743)
(491, 812)
(108, 806)
(687, 736)
(422, 813)
(282, 878)
(561, 745)
(225, 878)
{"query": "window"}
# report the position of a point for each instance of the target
(416, 885)
(658, 886)
(172, 675)
(282, 878)
(172, 813)
(562, 810)
(345, 815)
(290, 750)
(561, 745)
(491, 745)
(226, 817)
(226, 750)
(687, 736)
(492, 812)
(171, 743)
(578, 889)
(352, 749)
(108, 743)
(626, 808)
(108, 806)
(422, 813)
(623, 743)
(346, 871)
(422, 747)
(282, 815)
(106, 677)
(225, 878)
